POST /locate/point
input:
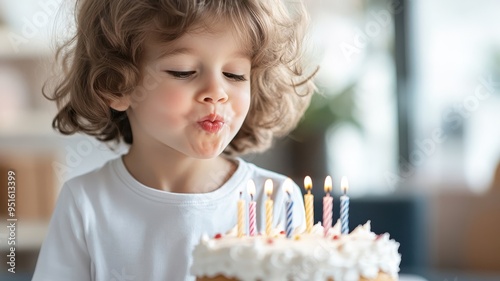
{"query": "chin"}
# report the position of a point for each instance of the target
(205, 157)
(208, 150)
(207, 154)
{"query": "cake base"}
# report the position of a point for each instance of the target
(381, 277)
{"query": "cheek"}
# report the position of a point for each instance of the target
(242, 104)
(165, 105)
(174, 99)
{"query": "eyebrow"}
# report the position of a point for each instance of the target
(166, 52)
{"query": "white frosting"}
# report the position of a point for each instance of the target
(311, 257)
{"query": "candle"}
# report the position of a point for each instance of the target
(308, 202)
(344, 207)
(251, 208)
(327, 206)
(287, 186)
(241, 216)
(268, 188)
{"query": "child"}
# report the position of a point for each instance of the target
(188, 85)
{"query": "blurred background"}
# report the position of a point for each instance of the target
(409, 95)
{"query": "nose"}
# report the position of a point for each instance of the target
(213, 92)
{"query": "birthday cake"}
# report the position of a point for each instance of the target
(359, 255)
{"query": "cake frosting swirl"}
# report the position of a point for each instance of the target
(305, 256)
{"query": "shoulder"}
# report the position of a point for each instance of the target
(260, 174)
(88, 191)
(93, 180)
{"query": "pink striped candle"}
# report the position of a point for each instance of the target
(251, 209)
(327, 206)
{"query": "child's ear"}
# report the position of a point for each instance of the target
(121, 103)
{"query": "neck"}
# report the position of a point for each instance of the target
(167, 169)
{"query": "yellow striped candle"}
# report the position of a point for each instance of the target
(309, 204)
(268, 187)
(241, 216)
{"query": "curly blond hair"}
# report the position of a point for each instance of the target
(102, 62)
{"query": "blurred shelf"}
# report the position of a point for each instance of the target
(30, 131)
(34, 48)
(29, 123)
(29, 234)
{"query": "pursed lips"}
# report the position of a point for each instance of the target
(212, 123)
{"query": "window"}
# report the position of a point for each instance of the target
(455, 58)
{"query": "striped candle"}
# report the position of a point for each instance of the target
(287, 185)
(251, 219)
(268, 188)
(251, 209)
(344, 207)
(241, 216)
(327, 206)
(308, 204)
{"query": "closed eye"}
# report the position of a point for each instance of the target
(235, 77)
(181, 74)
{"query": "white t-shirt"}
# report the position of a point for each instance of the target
(107, 226)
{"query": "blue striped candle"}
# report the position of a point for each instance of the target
(344, 207)
(289, 218)
(287, 185)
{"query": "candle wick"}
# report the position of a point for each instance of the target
(251, 197)
(241, 194)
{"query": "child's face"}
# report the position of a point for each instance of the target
(194, 96)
